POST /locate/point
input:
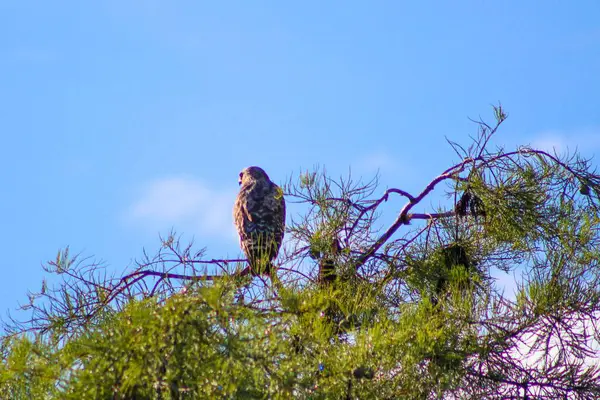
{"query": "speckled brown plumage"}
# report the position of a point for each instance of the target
(259, 217)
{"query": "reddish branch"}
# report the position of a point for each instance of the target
(377, 203)
(404, 217)
(453, 172)
(134, 277)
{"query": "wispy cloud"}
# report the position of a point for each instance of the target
(549, 141)
(393, 169)
(377, 161)
(584, 140)
(184, 203)
(373, 162)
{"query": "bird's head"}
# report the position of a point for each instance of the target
(252, 174)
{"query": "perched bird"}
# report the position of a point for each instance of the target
(259, 217)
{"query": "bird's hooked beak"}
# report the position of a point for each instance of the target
(240, 178)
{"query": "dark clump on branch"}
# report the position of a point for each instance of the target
(363, 373)
(584, 189)
(477, 207)
(327, 270)
(456, 254)
(451, 258)
(297, 344)
(462, 205)
(470, 202)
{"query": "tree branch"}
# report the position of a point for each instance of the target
(404, 216)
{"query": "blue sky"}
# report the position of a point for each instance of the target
(122, 119)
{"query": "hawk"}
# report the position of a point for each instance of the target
(259, 217)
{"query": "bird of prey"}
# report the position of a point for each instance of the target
(259, 217)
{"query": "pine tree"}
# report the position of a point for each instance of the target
(366, 305)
